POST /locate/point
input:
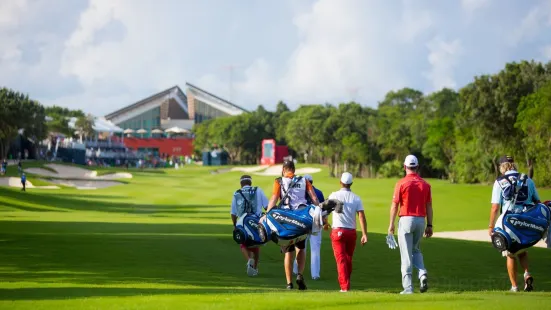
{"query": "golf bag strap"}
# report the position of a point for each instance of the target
(520, 178)
(286, 192)
(247, 200)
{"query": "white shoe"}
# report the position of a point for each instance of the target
(514, 289)
(250, 269)
(344, 291)
(406, 292)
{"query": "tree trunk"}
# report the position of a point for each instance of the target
(530, 165)
(331, 168)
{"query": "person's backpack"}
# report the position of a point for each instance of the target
(285, 200)
(246, 201)
(514, 189)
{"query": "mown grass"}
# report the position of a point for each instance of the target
(164, 242)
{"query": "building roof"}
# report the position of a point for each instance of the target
(100, 125)
(176, 93)
(144, 101)
(215, 99)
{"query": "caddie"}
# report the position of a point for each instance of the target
(251, 200)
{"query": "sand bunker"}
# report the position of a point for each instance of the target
(69, 172)
(250, 169)
(473, 235)
(16, 182)
(86, 184)
(276, 171)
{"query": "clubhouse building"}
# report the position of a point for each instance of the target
(162, 122)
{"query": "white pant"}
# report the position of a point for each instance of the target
(410, 233)
(315, 246)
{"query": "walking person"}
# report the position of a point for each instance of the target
(343, 234)
(291, 190)
(527, 194)
(314, 240)
(412, 202)
(4, 167)
(251, 200)
(23, 181)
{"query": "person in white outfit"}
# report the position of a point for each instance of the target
(314, 240)
(413, 199)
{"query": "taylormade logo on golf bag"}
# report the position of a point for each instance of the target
(253, 224)
(522, 224)
(279, 217)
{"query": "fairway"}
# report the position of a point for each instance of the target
(163, 241)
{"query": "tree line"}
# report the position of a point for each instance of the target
(457, 135)
(20, 115)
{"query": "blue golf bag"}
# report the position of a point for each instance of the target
(247, 231)
(515, 232)
(283, 227)
(522, 225)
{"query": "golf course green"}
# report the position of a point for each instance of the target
(164, 241)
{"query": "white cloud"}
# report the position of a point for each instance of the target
(343, 46)
(101, 55)
(535, 22)
(443, 58)
(10, 13)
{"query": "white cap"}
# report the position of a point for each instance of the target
(308, 177)
(411, 161)
(346, 178)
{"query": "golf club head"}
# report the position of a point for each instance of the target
(331, 205)
(239, 236)
(499, 241)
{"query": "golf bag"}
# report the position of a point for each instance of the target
(247, 231)
(518, 229)
(283, 227)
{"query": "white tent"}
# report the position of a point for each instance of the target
(176, 130)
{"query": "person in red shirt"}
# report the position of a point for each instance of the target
(413, 200)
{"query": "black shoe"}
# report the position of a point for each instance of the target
(300, 282)
(290, 286)
(528, 281)
(424, 284)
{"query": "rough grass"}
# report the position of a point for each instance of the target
(164, 242)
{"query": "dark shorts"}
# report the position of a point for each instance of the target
(291, 248)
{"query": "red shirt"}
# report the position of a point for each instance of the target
(412, 193)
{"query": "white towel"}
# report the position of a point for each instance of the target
(317, 223)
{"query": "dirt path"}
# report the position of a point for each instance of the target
(473, 235)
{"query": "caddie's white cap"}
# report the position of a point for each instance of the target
(308, 177)
(411, 161)
(346, 178)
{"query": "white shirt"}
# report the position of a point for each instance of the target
(261, 202)
(352, 205)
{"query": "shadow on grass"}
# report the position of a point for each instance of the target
(63, 202)
(205, 256)
(52, 293)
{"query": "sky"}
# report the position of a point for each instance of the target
(102, 55)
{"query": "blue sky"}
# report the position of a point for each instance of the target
(101, 55)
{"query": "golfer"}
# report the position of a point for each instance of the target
(343, 234)
(23, 181)
(412, 201)
(248, 199)
(527, 194)
(291, 191)
(315, 241)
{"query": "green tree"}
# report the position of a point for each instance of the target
(18, 112)
(85, 126)
(533, 120)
